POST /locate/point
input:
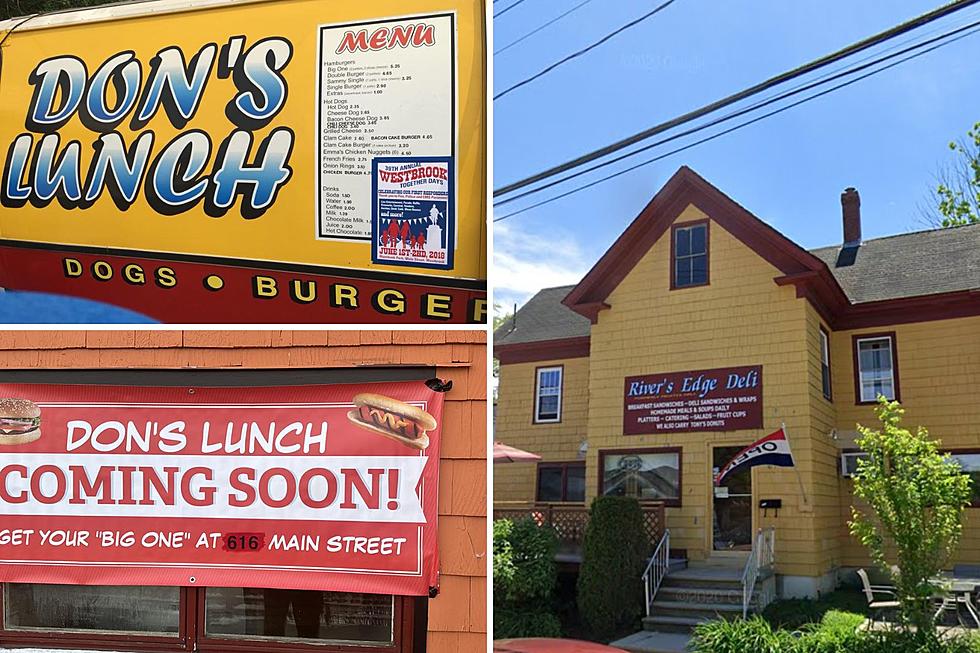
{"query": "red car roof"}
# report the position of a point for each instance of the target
(543, 645)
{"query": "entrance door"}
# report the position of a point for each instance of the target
(732, 514)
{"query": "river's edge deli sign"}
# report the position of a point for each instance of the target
(170, 165)
(330, 487)
(724, 399)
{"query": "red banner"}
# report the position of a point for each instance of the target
(329, 487)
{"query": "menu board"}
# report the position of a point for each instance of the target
(724, 399)
(386, 89)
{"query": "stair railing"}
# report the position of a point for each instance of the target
(762, 556)
(656, 569)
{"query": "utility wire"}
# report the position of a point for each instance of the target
(816, 64)
(820, 81)
(507, 8)
(586, 50)
(736, 127)
(538, 29)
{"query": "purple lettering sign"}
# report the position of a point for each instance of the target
(724, 399)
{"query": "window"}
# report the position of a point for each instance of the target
(876, 367)
(689, 262)
(79, 608)
(647, 474)
(547, 395)
(970, 462)
(216, 619)
(825, 363)
(561, 482)
(299, 615)
(849, 462)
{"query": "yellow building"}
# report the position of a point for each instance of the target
(703, 329)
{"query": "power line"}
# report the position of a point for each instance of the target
(816, 64)
(820, 81)
(538, 29)
(585, 50)
(507, 8)
(736, 127)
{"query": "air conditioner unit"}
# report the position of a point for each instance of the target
(848, 462)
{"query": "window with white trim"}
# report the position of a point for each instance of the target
(876, 368)
(547, 395)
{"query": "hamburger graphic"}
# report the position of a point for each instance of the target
(392, 419)
(20, 422)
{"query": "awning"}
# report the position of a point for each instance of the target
(503, 453)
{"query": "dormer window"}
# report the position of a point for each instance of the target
(689, 255)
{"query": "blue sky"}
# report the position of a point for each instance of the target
(886, 135)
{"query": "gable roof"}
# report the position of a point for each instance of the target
(684, 188)
(909, 265)
(543, 317)
(922, 275)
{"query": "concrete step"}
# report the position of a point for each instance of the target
(710, 577)
(647, 641)
(692, 582)
(701, 594)
(676, 564)
(695, 610)
(672, 624)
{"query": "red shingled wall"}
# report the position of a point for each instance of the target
(458, 616)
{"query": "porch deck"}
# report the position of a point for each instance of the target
(570, 521)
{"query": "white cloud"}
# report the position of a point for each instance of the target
(524, 263)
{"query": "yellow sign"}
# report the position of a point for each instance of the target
(250, 134)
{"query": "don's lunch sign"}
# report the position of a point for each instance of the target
(308, 487)
(234, 162)
(724, 399)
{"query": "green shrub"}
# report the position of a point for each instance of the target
(915, 496)
(614, 554)
(524, 567)
(524, 577)
(902, 641)
(836, 632)
(792, 614)
(754, 635)
(510, 621)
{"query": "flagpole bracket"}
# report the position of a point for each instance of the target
(438, 385)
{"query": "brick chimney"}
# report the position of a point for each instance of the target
(851, 205)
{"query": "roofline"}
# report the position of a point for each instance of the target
(685, 188)
(909, 310)
(542, 350)
(887, 312)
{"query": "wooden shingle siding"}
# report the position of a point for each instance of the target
(742, 318)
(556, 442)
(940, 367)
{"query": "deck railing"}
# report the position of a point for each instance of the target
(570, 520)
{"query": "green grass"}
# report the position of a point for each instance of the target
(791, 614)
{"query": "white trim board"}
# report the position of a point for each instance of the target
(118, 11)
